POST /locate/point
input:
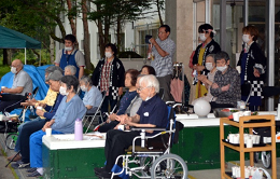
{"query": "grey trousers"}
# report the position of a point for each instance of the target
(164, 83)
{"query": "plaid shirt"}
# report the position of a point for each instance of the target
(105, 77)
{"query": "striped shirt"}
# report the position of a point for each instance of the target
(163, 65)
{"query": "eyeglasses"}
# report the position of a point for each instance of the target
(141, 88)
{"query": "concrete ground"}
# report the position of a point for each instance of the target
(5, 172)
(13, 173)
(215, 173)
(9, 173)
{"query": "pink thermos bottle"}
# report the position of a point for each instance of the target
(78, 129)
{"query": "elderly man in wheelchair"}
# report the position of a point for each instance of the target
(152, 116)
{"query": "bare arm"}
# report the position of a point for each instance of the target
(88, 106)
(124, 118)
(158, 48)
(18, 89)
(81, 72)
(133, 124)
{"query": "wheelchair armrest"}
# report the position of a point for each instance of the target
(147, 128)
(143, 136)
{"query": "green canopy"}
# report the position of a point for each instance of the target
(11, 39)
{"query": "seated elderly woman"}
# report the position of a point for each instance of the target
(27, 128)
(152, 113)
(70, 109)
(92, 97)
(226, 86)
(208, 80)
(70, 70)
(131, 93)
(50, 96)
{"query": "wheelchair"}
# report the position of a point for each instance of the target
(11, 126)
(153, 158)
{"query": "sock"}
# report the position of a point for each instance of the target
(40, 170)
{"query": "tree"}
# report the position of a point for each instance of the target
(38, 19)
(114, 13)
(86, 34)
(160, 7)
(72, 13)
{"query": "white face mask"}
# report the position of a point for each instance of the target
(14, 70)
(202, 37)
(108, 54)
(68, 48)
(245, 38)
(222, 68)
(63, 91)
(83, 88)
(208, 66)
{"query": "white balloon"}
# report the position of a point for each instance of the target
(201, 107)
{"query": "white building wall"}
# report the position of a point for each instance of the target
(130, 32)
(129, 36)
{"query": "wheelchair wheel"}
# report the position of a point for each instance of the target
(10, 141)
(266, 159)
(169, 166)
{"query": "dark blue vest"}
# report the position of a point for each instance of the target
(68, 59)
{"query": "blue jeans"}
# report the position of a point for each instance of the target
(17, 147)
(35, 142)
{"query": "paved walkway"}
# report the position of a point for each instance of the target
(5, 172)
(8, 173)
(15, 173)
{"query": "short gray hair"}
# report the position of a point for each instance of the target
(53, 68)
(71, 68)
(56, 75)
(211, 55)
(87, 80)
(151, 81)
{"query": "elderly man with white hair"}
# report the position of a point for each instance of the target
(152, 113)
(22, 84)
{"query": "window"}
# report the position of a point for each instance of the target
(141, 31)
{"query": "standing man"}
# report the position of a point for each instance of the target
(22, 84)
(163, 49)
(71, 56)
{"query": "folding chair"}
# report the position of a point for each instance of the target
(92, 116)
